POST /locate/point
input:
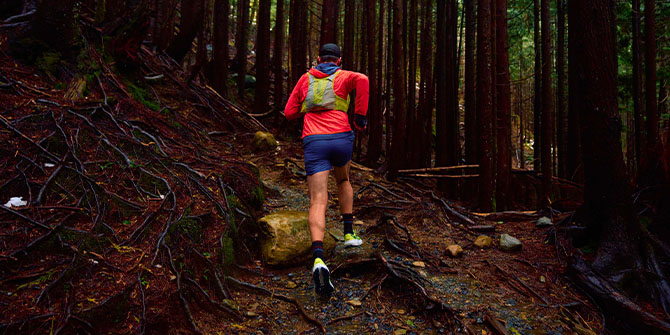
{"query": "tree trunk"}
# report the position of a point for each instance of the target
(470, 93)
(504, 108)
(537, 95)
(522, 138)
(241, 41)
(573, 162)
(547, 109)
(203, 40)
(329, 13)
(278, 56)
(637, 87)
(262, 57)
(414, 142)
(453, 147)
(164, 27)
(298, 39)
(441, 83)
(191, 20)
(560, 90)
(53, 24)
(220, 63)
(398, 154)
(623, 245)
(652, 165)
(389, 55)
(374, 112)
(426, 95)
(484, 106)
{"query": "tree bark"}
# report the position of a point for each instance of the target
(389, 55)
(484, 106)
(374, 113)
(537, 98)
(441, 83)
(298, 39)
(547, 109)
(623, 245)
(426, 95)
(637, 86)
(453, 147)
(398, 154)
(241, 41)
(561, 117)
(652, 165)
(262, 57)
(573, 161)
(278, 56)
(220, 63)
(53, 24)
(470, 93)
(329, 13)
(504, 108)
(191, 20)
(164, 27)
(414, 142)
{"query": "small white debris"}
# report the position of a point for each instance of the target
(16, 202)
(49, 165)
(158, 266)
(93, 261)
(162, 196)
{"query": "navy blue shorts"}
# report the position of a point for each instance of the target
(322, 152)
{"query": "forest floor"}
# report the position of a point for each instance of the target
(523, 291)
(125, 202)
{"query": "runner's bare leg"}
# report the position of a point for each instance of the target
(344, 191)
(318, 202)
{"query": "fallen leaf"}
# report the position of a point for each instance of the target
(419, 264)
(354, 302)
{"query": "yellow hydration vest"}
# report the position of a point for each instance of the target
(321, 96)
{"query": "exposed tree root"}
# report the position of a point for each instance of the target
(616, 305)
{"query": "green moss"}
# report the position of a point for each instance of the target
(227, 251)
(140, 94)
(49, 62)
(257, 196)
(189, 227)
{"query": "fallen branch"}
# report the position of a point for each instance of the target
(616, 305)
(282, 297)
(451, 210)
(438, 169)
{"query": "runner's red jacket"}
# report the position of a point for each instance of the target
(332, 121)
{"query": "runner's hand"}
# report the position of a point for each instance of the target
(360, 123)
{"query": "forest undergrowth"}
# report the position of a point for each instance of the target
(142, 194)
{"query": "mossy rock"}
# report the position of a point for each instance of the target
(287, 241)
(264, 141)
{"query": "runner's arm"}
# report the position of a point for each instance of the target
(360, 83)
(294, 103)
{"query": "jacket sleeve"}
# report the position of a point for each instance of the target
(294, 103)
(360, 83)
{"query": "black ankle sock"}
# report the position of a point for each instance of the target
(317, 250)
(348, 220)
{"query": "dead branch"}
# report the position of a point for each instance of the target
(437, 169)
(451, 210)
(282, 297)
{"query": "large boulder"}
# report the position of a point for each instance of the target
(264, 141)
(286, 240)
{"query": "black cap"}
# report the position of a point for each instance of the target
(329, 49)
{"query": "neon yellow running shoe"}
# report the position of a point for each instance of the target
(352, 240)
(321, 276)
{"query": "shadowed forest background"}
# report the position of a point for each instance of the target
(130, 130)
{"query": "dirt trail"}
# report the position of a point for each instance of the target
(523, 291)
